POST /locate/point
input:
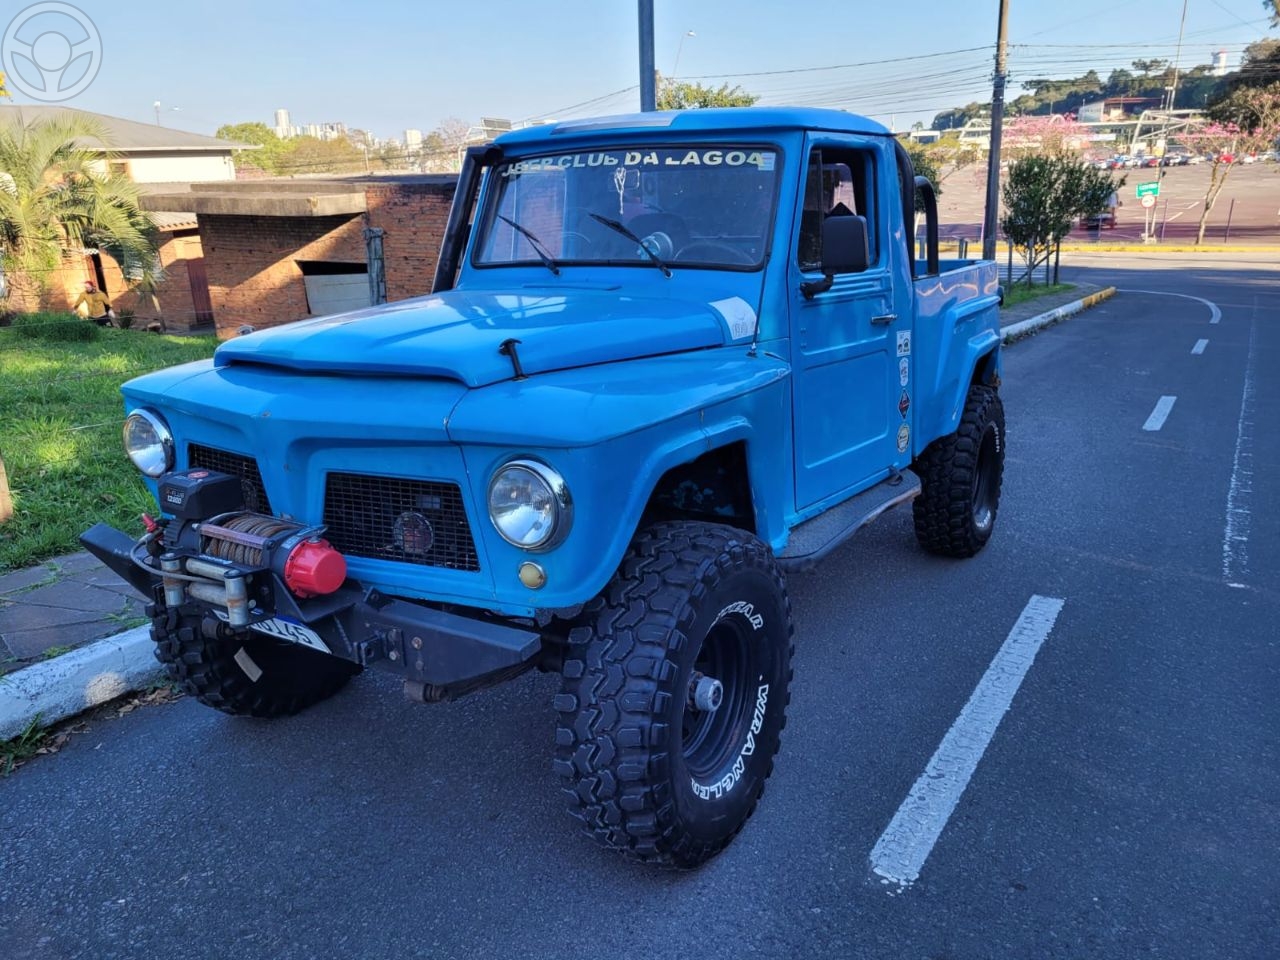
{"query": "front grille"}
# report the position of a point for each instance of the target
(412, 521)
(246, 468)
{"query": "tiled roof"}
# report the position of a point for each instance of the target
(122, 136)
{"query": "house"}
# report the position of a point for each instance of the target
(155, 158)
(284, 249)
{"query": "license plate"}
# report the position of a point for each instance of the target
(283, 628)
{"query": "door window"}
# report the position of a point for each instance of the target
(838, 183)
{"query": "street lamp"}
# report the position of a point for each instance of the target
(680, 47)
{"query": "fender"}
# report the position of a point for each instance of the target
(611, 477)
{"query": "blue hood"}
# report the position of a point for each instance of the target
(456, 335)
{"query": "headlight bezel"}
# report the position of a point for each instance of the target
(164, 437)
(560, 496)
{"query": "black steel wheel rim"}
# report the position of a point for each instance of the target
(984, 480)
(711, 739)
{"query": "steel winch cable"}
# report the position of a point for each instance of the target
(249, 524)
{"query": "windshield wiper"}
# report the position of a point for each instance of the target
(622, 229)
(547, 260)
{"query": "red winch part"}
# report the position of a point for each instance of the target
(314, 568)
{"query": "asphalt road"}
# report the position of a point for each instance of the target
(1127, 805)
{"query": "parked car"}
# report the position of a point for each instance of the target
(664, 361)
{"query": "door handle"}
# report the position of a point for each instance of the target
(885, 318)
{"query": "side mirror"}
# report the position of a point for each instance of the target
(844, 245)
(845, 249)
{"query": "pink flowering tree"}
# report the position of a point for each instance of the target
(1045, 136)
(1245, 122)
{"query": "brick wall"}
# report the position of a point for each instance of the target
(252, 262)
(413, 216)
(171, 303)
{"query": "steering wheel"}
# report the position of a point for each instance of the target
(578, 241)
(714, 250)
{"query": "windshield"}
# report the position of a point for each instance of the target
(689, 206)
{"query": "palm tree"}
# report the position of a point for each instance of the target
(57, 197)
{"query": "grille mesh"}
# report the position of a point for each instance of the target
(362, 515)
(246, 468)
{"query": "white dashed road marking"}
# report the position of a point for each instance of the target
(902, 849)
(1199, 347)
(1160, 414)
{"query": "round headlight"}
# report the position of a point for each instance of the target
(529, 504)
(148, 442)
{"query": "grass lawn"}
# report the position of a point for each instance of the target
(1021, 293)
(60, 422)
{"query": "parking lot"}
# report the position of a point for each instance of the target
(1247, 210)
(1124, 806)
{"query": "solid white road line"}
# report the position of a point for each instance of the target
(1235, 534)
(1199, 347)
(1160, 414)
(1214, 313)
(902, 849)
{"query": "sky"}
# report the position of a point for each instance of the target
(388, 65)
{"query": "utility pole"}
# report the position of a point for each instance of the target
(997, 123)
(648, 95)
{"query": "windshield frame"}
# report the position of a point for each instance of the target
(487, 207)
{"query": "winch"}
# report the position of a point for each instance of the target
(213, 547)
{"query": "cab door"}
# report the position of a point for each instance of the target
(851, 343)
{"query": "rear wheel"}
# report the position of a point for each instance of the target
(243, 673)
(961, 475)
(674, 694)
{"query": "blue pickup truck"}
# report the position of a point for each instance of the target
(667, 359)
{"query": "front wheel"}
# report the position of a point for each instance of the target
(674, 695)
(961, 475)
(243, 673)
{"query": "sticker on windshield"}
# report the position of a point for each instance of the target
(762, 160)
(738, 315)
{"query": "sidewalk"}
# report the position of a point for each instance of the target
(60, 605)
(54, 617)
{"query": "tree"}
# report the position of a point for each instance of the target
(56, 200)
(1247, 121)
(1042, 197)
(681, 95)
(1048, 136)
(306, 155)
(1275, 11)
(436, 156)
(1148, 67)
(271, 149)
(957, 118)
(3, 90)
(1259, 67)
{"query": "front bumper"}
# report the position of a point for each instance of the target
(433, 649)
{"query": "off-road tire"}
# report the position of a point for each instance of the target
(243, 673)
(642, 783)
(961, 475)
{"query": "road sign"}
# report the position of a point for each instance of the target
(1151, 189)
(1148, 200)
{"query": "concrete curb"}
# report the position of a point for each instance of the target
(1016, 331)
(75, 681)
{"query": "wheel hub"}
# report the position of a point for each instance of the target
(705, 693)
